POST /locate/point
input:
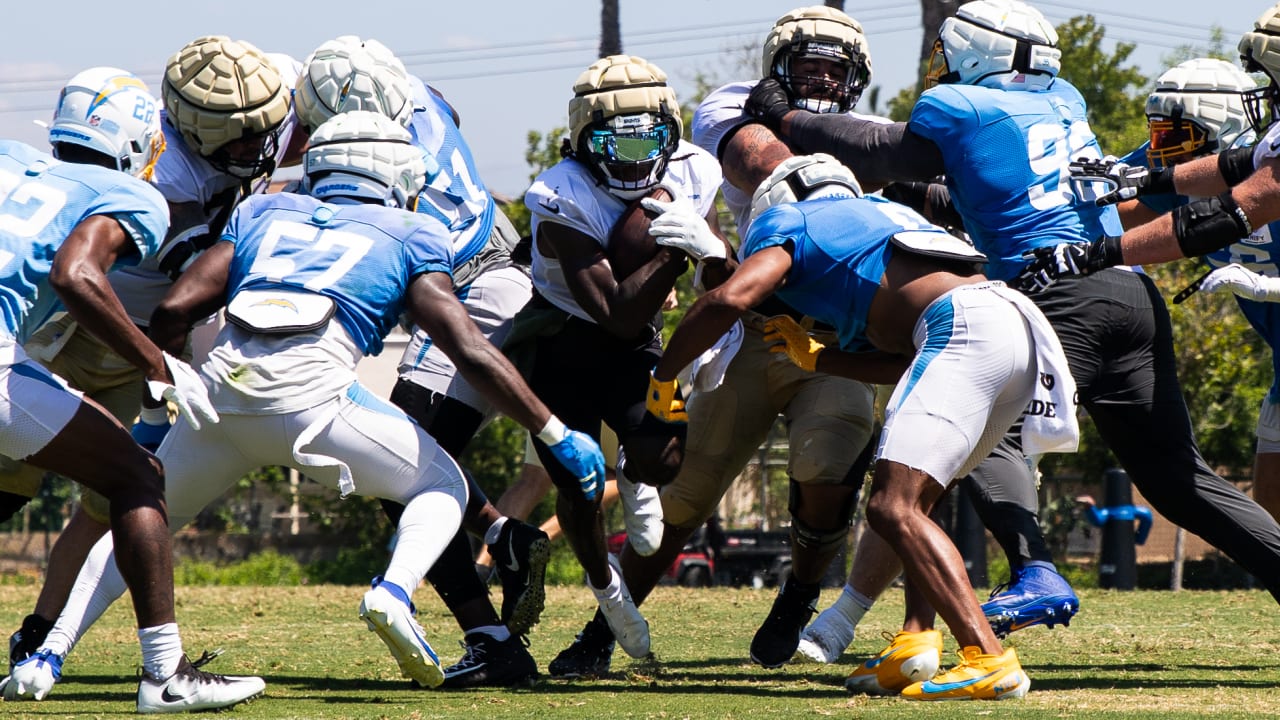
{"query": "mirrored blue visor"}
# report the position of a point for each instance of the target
(636, 144)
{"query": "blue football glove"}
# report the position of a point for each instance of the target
(582, 456)
(150, 434)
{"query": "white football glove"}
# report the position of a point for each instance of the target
(681, 227)
(1243, 282)
(187, 393)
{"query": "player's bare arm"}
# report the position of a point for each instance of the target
(624, 308)
(432, 305)
(79, 276)
(199, 293)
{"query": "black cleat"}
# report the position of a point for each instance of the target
(28, 639)
(779, 635)
(488, 662)
(521, 555)
(590, 654)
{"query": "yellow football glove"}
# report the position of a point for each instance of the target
(663, 401)
(785, 335)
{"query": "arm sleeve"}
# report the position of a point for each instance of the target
(878, 153)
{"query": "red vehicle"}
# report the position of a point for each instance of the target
(693, 567)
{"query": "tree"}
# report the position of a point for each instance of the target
(1114, 91)
(610, 29)
(932, 13)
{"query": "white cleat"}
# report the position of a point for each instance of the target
(629, 627)
(190, 688)
(641, 513)
(387, 612)
(32, 677)
(826, 638)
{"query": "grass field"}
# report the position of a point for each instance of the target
(1137, 654)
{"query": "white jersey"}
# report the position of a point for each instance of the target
(182, 176)
(568, 194)
(722, 112)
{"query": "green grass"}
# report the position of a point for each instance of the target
(1137, 654)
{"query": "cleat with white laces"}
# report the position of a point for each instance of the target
(489, 662)
(641, 513)
(190, 688)
(826, 638)
(629, 627)
(387, 611)
(32, 677)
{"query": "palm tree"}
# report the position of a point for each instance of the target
(610, 29)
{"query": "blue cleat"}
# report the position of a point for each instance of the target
(1037, 595)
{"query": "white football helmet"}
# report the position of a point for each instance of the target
(1196, 108)
(994, 43)
(823, 33)
(110, 111)
(1260, 52)
(365, 155)
(624, 123)
(348, 73)
(804, 177)
(227, 101)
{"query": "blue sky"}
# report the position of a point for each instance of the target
(508, 66)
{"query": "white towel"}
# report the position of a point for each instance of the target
(1049, 424)
(709, 368)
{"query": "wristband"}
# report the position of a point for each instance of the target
(1236, 165)
(154, 416)
(553, 432)
(1160, 182)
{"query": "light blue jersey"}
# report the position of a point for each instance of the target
(41, 201)
(361, 256)
(1006, 154)
(455, 195)
(839, 250)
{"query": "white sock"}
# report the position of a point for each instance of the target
(491, 535)
(161, 650)
(428, 524)
(97, 586)
(852, 605)
(497, 632)
(614, 587)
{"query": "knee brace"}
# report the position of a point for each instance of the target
(815, 539)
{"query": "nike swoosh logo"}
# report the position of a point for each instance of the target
(875, 661)
(551, 206)
(933, 687)
(166, 696)
(514, 565)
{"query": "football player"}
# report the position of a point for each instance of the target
(902, 295)
(594, 337)
(310, 284)
(225, 114)
(348, 73)
(67, 220)
(1197, 108)
(1004, 129)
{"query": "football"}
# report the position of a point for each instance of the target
(630, 244)
(653, 451)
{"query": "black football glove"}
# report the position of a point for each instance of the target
(1053, 262)
(768, 103)
(1124, 181)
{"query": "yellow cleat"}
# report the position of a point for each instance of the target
(977, 677)
(910, 658)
